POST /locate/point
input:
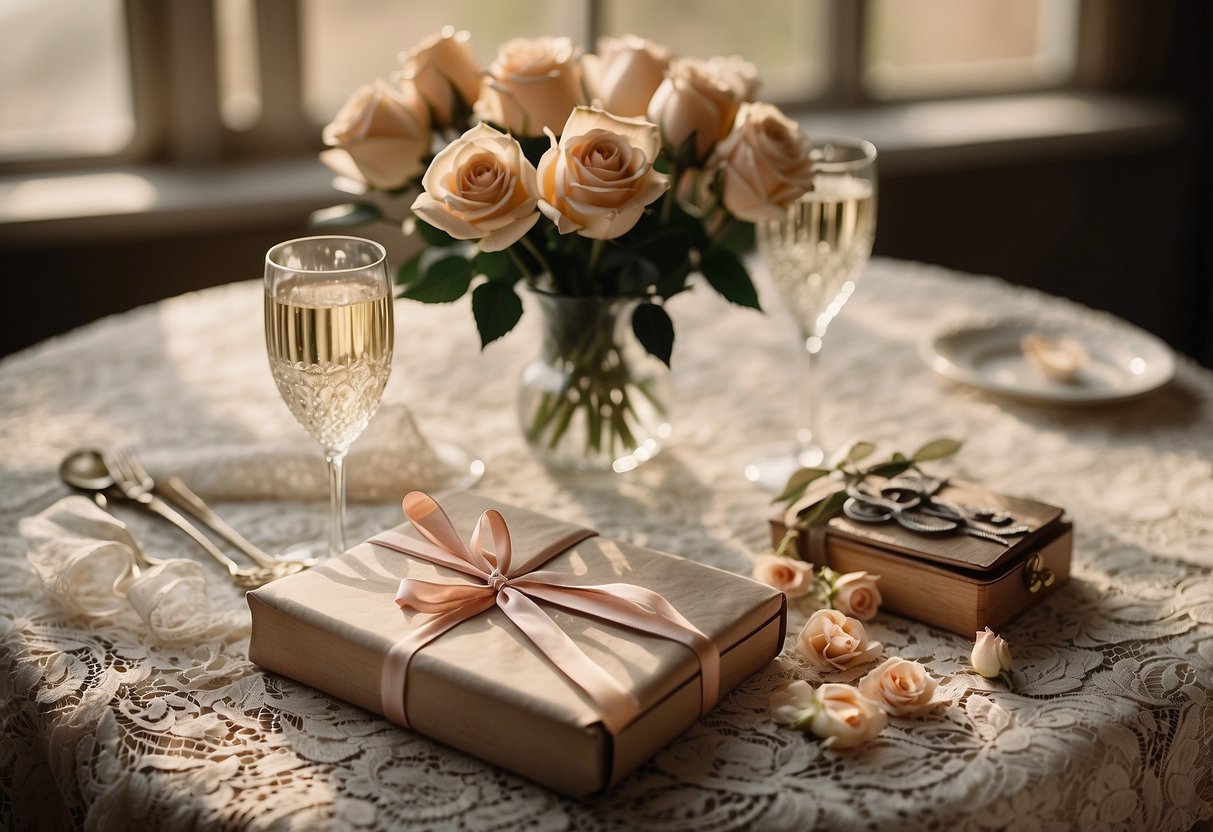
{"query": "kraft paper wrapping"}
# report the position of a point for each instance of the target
(483, 687)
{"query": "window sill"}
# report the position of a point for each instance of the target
(145, 201)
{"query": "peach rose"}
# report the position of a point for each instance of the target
(446, 74)
(738, 72)
(625, 73)
(379, 136)
(793, 704)
(832, 641)
(532, 86)
(991, 655)
(845, 718)
(693, 101)
(598, 178)
(901, 687)
(792, 577)
(765, 164)
(855, 594)
(481, 187)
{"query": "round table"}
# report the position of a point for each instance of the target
(1109, 724)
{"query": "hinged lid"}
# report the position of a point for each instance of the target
(970, 551)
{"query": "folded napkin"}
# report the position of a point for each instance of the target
(87, 563)
(391, 458)
(83, 556)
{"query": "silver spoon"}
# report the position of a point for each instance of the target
(86, 470)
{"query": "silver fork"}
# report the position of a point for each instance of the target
(178, 493)
(136, 485)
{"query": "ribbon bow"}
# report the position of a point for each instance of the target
(486, 559)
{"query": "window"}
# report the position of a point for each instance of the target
(65, 86)
(931, 47)
(209, 81)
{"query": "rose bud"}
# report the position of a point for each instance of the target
(446, 74)
(532, 86)
(625, 73)
(832, 641)
(792, 577)
(845, 718)
(379, 136)
(764, 164)
(991, 655)
(694, 107)
(855, 594)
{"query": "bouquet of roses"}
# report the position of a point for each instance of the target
(610, 175)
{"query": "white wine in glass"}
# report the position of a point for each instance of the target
(328, 334)
(814, 256)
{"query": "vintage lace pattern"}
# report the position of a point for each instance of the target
(1110, 724)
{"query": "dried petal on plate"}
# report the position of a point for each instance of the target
(1058, 359)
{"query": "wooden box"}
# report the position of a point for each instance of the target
(953, 581)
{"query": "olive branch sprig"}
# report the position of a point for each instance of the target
(845, 473)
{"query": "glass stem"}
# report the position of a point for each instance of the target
(336, 466)
(808, 442)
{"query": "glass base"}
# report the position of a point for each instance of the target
(773, 466)
(307, 552)
(463, 468)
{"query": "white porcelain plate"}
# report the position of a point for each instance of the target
(1124, 361)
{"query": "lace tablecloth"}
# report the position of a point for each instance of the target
(1110, 725)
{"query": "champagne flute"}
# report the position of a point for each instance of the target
(328, 333)
(814, 256)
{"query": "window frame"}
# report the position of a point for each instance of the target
(173, 55)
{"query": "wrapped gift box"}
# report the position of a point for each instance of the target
(483, 687)
(954, 581)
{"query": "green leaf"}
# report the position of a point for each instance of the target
(444, 281)
(724, 270)
(668, 249)
(822, 511)
(410, 272)
(739, 238)
(936, 449)
(497, 265)
(655, 330)
(888, 470)
(347, 215)
(434, 236)
(497, 308)
(860, 450)
(799, 482)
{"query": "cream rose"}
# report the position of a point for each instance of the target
(480, 187)
(171, 597)
(856, 595)
(991, 655)
(598, 178)
(792, 704)
(832, 641)
(379, 136)
(900, 687)
(445, 72)
(792, 577)
(845, 718)
(765, 164)
(625, 73)
(693, 100)
(532, 85)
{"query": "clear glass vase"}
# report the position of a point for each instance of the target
(594, 400)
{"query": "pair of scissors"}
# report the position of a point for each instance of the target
(911, 503)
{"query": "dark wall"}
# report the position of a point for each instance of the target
(1118, 232)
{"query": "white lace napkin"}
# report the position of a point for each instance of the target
(390, 459)
(86, 560)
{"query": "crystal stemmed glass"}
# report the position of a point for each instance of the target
(814, 255)
(328, 333)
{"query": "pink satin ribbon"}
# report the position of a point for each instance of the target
(451, 602)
